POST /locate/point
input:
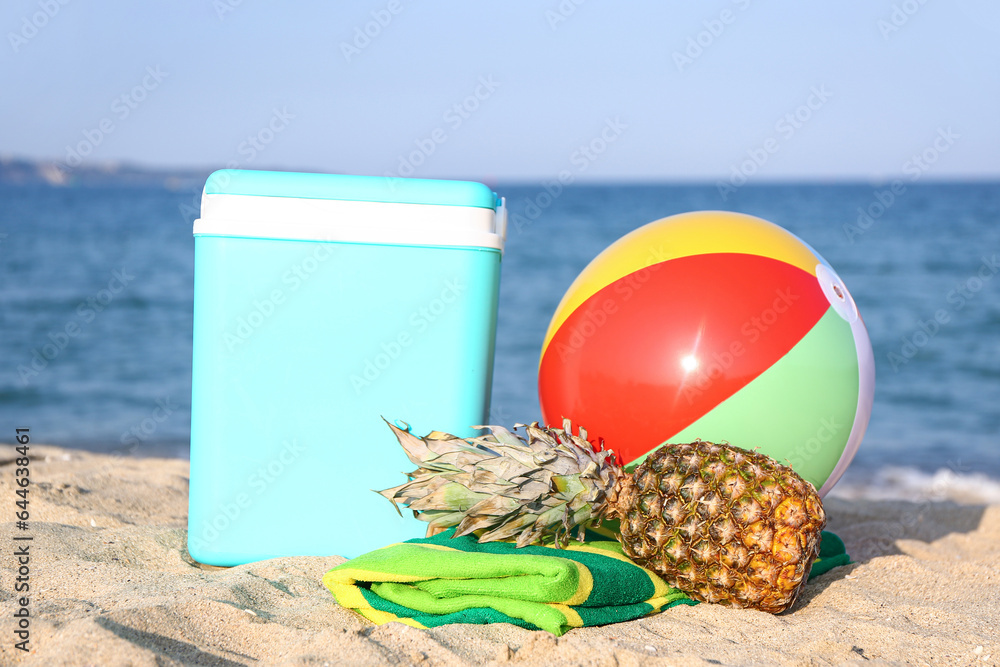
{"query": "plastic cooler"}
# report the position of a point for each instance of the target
(323, 304)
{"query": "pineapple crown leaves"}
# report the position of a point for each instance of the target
(537, 487)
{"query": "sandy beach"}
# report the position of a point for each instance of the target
(112, 584)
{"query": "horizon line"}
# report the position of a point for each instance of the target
(108, 167)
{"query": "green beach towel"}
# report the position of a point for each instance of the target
(438, 580)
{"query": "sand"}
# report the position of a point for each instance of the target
(113, 585)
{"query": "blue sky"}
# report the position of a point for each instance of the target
(634, 91)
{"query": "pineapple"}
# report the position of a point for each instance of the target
(720, 523)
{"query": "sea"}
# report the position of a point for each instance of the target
(96, 309)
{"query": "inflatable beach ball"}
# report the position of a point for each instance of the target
(712, 325)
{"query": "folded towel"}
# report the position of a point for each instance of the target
(437, 580)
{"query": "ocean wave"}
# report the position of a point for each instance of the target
(904, 483)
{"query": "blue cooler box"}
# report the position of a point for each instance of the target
(322, 304)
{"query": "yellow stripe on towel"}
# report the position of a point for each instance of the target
(584, 585)
(660, 587)
(349, 596)
(382, 617)
(573, 619)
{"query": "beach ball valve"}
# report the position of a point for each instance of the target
(712, 325)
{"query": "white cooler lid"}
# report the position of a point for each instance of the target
(358, 209)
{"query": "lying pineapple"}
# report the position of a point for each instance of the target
(718, 522)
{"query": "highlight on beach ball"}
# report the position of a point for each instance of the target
(712, 325)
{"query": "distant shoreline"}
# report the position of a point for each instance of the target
(18, 171)
(24, 171)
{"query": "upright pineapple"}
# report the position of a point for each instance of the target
(720, 523)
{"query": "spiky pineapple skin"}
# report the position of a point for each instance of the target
(722, 524)
(503, 486)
